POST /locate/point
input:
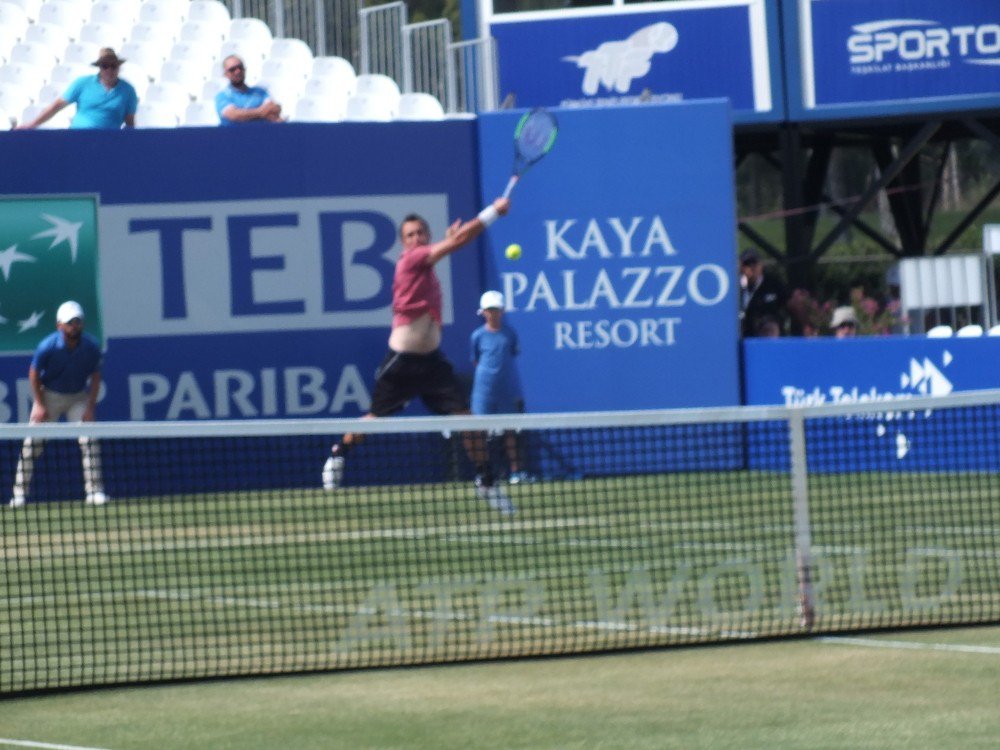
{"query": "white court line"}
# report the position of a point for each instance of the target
(910, 645)
(46, 745)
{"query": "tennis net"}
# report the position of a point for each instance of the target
(220, 553)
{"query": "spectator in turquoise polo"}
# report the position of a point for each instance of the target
(239, 103)
(104, 101)
(65, 379)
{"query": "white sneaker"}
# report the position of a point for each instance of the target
(333, 472)
(496, 498)
(96, 498)
(17, 501)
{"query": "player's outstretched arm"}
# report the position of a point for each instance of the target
(461, 233)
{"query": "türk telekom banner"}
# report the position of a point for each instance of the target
(851, 58)
(624, 296)
(653, 52)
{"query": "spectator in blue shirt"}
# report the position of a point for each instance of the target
(102, 101)
(239, 103)
(495, 387)
(65, 378)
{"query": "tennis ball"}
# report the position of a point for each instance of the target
(513, 251)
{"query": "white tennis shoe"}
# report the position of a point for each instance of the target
(96, 498)
(17, 501)
(495, 497)
(333, 472)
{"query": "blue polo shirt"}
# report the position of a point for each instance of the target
(254, 96)
(98, 107)
(66, 370)
(495, 387)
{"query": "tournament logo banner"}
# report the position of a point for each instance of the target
(858, 58)
(48, 254)
(650, 53)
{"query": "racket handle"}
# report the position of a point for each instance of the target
(510, 186)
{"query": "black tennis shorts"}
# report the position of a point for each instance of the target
(402, 377)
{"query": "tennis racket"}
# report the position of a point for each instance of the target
(534, 137)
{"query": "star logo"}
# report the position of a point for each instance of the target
(61, 231)
(30, 322)
(9, 257)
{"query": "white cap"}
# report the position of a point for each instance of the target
(489, 300)
(67, 311)
(843, 315)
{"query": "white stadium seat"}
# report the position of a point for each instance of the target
(247, 52)
(201, 31)
(201, 113)
(310, 109)
(972, 330)
(940, 332)
(148, 57)
(103, 34)
(171, 94)
(59, 121)
(152, 35)
(188, 74)
(283, 91)
(65, 73)
(419, 106)
(332, 88)
(252, 32)
(212, 87)
(28, 77)
(13, 19)
(287, 48)
(14, 97)
(993, 330)
(6, 120)
(210, 12)
(54, 37)
(30, 7)
(8, 38)
(81, 52)
(50, 92)
(68, 15)
(197, 52)
(136, 75)
(370, 108)
(37, 54)
(153, 114)
(376, 84)
(286, 69)
(121, 13)
(332, 67)
(164, 14)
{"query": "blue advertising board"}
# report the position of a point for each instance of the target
(624, 296)
(243, 272)
(885, 371)
(653, 52)
(871, 58)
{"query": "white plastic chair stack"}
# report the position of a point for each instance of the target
(940, 332)
(973, 330)
(155, 114)
(419, 106)
(200, 114)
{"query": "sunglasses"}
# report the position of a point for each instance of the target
(234, 68)
(109, 66)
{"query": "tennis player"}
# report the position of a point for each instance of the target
(65, 379)
(414, 365)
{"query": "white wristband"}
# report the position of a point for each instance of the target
(488, 215)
